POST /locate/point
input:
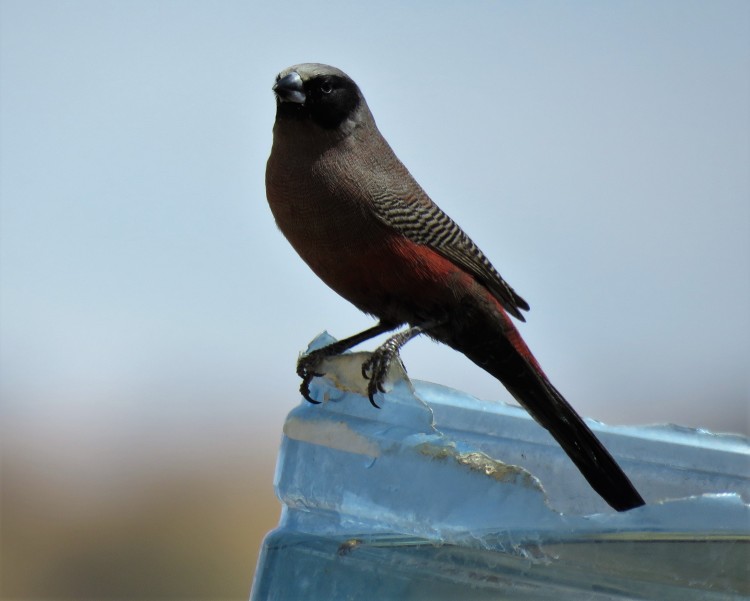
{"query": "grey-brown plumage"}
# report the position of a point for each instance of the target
(358, 218)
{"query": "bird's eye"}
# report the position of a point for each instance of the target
(326, 87)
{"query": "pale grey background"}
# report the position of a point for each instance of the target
(598, 153)
(151, 313)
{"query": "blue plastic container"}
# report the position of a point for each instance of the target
(441, 496)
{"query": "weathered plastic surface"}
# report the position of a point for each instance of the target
(441, 496)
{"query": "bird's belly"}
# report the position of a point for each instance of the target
(391, 277)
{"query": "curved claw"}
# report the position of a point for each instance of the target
(371, 396)
(304, 388)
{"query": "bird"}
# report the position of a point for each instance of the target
(353, 212)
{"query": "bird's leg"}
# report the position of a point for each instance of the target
(376, 367)
(307, 363)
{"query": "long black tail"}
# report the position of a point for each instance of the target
(547, 406)
(508, 359)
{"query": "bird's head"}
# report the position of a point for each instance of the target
(321, 94)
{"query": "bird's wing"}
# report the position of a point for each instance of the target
(423, 222)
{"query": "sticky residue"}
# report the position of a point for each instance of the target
(484, 464)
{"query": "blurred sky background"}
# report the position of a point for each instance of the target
(151, 313)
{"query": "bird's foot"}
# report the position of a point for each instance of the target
(306, 365)
(375, 369)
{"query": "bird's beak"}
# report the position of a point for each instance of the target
(290, 89)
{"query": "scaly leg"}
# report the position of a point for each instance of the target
(376, 367)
